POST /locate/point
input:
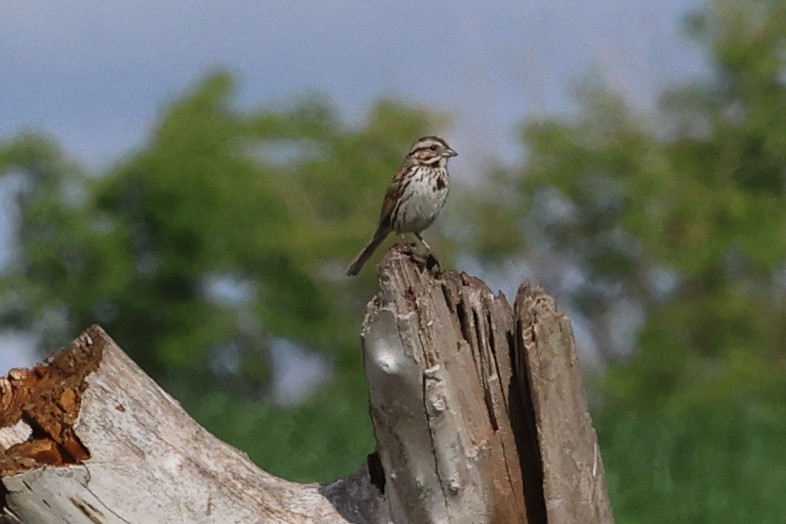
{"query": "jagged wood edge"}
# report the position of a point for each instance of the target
(430, 353)
(549, 372)
(142, 444)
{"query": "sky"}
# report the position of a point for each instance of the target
(95, 73)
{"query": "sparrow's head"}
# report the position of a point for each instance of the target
(431, 151)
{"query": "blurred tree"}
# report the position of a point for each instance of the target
(226, 231)
(675, 228)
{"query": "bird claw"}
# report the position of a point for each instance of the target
(425, 259)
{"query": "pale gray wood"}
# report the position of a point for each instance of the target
(436, 356)
(151, 462)
(574, 485)
(478, 414)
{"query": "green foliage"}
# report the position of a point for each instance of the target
(720, 466)
(325, 438)
(684, 220)
(227, 228)
(207, 198)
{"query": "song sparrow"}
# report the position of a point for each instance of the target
(415, 196)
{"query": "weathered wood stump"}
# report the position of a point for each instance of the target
(477, 410)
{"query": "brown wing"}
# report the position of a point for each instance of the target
(392, 196)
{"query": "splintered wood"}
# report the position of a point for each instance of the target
(466, 428)
(477, 409)
(39, 407)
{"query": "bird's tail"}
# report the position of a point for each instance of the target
(356, 265)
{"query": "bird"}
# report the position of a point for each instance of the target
(415, 196)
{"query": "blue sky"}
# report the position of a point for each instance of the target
(94, 74)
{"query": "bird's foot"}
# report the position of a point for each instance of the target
(407, 244)
(427, 261)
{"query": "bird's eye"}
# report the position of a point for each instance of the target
(433, 148)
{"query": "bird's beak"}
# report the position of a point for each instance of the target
(449, 153)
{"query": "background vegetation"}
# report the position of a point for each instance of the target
(228, 232)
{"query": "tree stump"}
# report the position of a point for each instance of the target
(477, 409)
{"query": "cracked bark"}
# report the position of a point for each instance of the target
(477, 410)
